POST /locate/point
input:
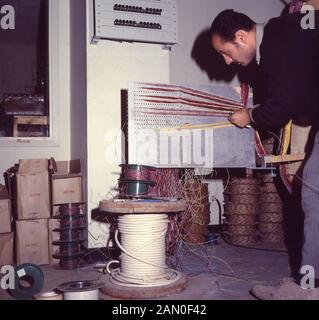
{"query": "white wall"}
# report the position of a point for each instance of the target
(110, 66)
(195, 16)
(11, 155)
(78, 82)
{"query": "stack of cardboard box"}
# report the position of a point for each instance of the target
(6, 236)
(32, 212)
(36, 188)
(66, 182)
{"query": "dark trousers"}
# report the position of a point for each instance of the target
(310, 205)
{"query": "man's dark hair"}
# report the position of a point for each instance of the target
(228, 22)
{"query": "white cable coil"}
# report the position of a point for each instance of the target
(85, 295)
(143, 259)
(49, 296)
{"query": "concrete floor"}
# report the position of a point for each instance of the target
(220, 272)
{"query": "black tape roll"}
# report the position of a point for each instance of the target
(71, 235)
(63, 242)
(70, 209)
(70, 248)
(71, 221)
(58, 230)
(31, 274)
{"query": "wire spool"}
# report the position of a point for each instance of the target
(237, 229)
(70, 209)
(70, 235)
(271, 228)
(144, 235)
(197, 216)
(143, 259)
(240, 240)
(137, 172)
(240, 209)
(249, 198)
(243, 185)
(69, 243)
(134, 188)
(81, 290)
(71, 221)
(67, 248)
(244, 181)
(272, 237)
(244, 189)
(271, 208)
(33, 276)
(270, 217)
(196, 233)
(244, 219)
(49, 296)
(268, 187)
(273, 197)
(196, 237)
(76, 222)
(82, 229)
(69, 256)
(70, 262)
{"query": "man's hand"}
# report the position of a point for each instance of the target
(240, 118)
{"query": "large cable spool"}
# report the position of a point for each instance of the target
(142, 271)
(143, 259)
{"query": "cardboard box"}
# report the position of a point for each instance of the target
(53, 236)
(33, 190)
(5, 211)
(66, 179)
(6, 249)
(32, 242)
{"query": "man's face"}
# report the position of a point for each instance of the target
(240, 51)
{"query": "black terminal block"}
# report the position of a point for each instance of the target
(136, 9)
(133, 23)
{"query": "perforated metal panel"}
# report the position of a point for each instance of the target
(153, 21)
(155, 109)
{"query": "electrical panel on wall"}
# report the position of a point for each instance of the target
(152, 21)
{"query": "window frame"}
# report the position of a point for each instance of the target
(56, 25)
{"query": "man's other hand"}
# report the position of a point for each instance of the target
(240, 118)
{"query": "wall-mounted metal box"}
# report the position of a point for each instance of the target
(151, 21)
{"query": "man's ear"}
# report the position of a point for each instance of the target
(241, 36)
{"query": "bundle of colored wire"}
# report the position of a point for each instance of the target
(138, 173)
(178, 100)
(191, 92)
(159, 111)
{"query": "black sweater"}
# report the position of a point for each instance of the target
(290, 63)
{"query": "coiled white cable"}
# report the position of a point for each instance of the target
(143, 259)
